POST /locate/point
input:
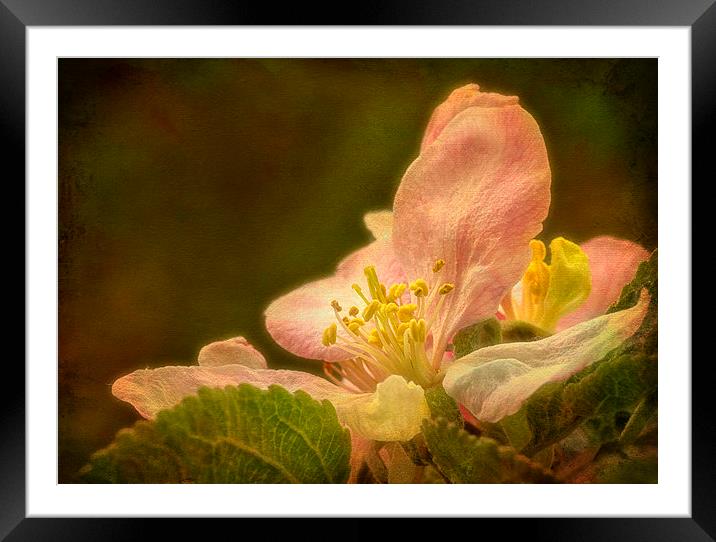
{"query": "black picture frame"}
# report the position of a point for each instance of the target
(699, 15)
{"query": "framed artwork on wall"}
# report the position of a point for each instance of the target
(404, 270)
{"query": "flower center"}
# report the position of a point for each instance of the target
(548, 292)
(392, 333)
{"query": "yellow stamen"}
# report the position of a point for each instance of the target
(377, 290)
(387, 335)
(402, 328)
(418, 330)
(419, 287)
(396, 291)
(405, 312)
(551, 291)
(446, 288)
(370, 310)
(329, 335)
(359, 291)
(535, 283)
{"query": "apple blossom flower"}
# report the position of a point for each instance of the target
(457, 241)
(463, 226)
(458, 231)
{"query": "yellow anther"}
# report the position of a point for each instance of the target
(396, 291)
(329, 335)
(354, 327)
(402, 328)
(374, 339)
(535, 282)
(419, 287)
(377, 290)
(551, 291)
(438, 265)
(336, 306)
(359, 291)
(369, 311)
(405, 312)
(418, 330)
(390, 308)
(358, 321)
(446, 288)
(346, 320)
(353, 311)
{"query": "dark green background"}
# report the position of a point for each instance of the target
(195, 191)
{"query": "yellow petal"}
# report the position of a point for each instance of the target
(569, 284)
(394, 412)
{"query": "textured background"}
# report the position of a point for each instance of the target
(195, 191)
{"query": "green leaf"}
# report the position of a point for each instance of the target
(615, 386)
(517, 429)
(235, 435)
(443, 406)
(646, 277)
(605, 394)
(484, 333)
(645, 340)
(644, 412)
(466, 459)
(616, 465)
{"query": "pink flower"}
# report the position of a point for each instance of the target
(457, 241)
(464, 214)
(462, 220)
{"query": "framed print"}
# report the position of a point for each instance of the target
(359, 271)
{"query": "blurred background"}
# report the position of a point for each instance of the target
(195, 191)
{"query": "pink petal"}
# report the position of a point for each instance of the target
(152, 390)
(613, 263)
(495, 381)
(236, 351)
(459, 100)
(297, 320)
(379, 223)
(394, 412)
(475, 197)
